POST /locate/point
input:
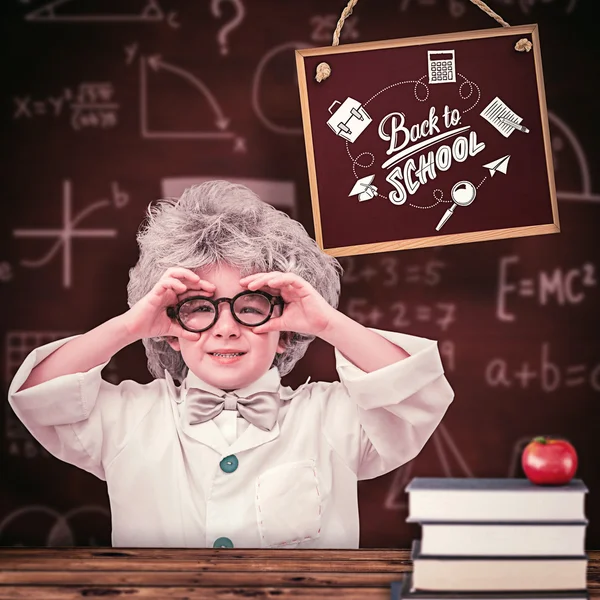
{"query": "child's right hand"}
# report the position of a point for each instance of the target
(148, 317)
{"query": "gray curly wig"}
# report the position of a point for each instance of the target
(218, 222)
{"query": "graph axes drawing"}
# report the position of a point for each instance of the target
(65, 235)
(221, 122)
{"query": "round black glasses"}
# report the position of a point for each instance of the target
(249, 308)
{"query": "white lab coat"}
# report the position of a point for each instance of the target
(294, 486)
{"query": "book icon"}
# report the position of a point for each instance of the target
(500, 116)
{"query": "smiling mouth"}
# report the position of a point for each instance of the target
(227, 355)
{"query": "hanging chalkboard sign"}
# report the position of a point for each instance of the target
(428, 141)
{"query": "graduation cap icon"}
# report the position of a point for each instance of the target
(364, 189)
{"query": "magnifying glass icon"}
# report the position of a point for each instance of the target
(463, 193)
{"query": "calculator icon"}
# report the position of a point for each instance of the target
(441, 66)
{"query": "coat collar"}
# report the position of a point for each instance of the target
(208, 432)
(269, 382)
(177, 393)
(173, 389)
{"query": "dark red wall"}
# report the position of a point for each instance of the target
(526, 309)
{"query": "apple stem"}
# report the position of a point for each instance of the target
(540, 439)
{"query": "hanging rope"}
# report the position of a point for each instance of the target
(324, 70)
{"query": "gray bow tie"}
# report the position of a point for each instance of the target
(260, 409)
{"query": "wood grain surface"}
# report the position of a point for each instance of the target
(65, 573)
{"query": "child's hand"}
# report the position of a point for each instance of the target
(305, 311)
(148, 317)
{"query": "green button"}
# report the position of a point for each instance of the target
(223, 542)
(229, 464)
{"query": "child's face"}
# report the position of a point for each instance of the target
(228, 336)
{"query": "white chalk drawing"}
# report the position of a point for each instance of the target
(27, 448)
(556, 287)
(585, 194)
(349, 120)
(364, 188)
(6, 272)
(393, 273)
(218, 118)
(70, 230)
(151, 12)
(280, 194)
(61, 532)
(221, 122)
(92, 106)
(501, 117)
(545, 375)
(131, 52)
(240, 12)
(441, 65)
(256, 87)
(239, 145)
(396, 498)
(499, 165)
(463, 193)
(446, 451)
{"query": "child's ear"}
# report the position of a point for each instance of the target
(174, 343)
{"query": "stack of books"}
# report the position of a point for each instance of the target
(494, 539)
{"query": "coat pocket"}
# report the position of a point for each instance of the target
(288, 504)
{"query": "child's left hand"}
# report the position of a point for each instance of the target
(305, 311)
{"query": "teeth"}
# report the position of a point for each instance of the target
(227, 355)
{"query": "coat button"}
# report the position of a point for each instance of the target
(223, 542)
(229, 464)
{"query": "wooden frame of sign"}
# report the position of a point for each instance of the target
(479, 143)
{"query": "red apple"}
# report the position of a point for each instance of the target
(549, 461)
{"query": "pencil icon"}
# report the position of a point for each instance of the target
(513, 124)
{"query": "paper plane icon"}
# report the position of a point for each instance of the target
(498, 165)
(364, 189)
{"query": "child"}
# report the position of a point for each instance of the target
(227, 294)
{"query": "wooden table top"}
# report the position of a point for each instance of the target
(225, 574)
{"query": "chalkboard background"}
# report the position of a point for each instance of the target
(110, 105)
